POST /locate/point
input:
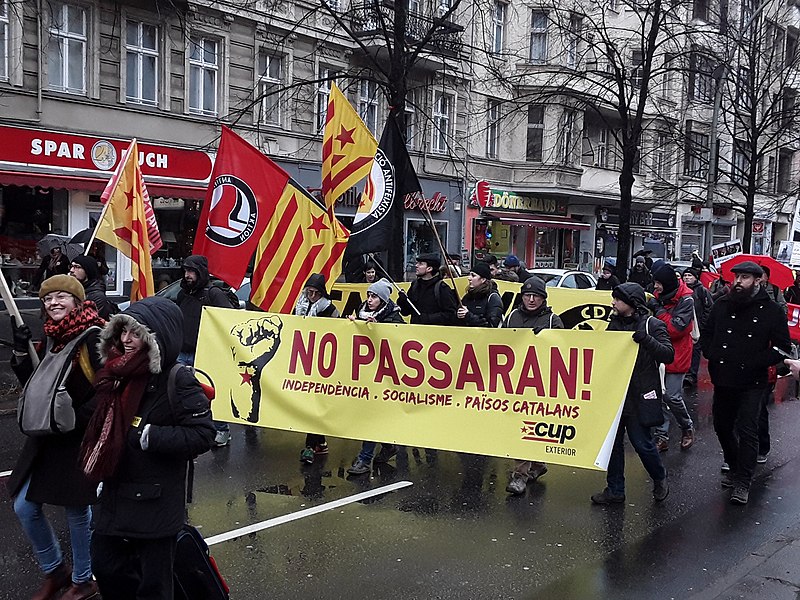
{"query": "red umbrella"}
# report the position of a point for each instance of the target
(780, 274)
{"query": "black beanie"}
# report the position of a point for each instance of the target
(89, 264)
(481, 269)
(665, 275)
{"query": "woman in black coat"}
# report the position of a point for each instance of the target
(481, 305)
(48, 470)
(149, 433)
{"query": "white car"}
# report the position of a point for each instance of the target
(171, 292)
(564, 278)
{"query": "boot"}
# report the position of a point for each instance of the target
(53, 582)
(81, 591)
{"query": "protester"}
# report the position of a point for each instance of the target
(674, 306)
(642, 408)
(738, 339)
(314, 301)
(84, 269)
(431, 296)
(163, 281)
(498, 271)
(454, 262)
(641, 274)
(378, 308)
(792, 293)
(773, 291)
(197, 292)
(138, 444)
(370, 272)
(47, 471)
(607, 280)
(54, 264)
(481, 305)
(515, 266)
(719, 288)
(702, 304)
(535, 314)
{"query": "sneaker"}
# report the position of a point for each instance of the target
(727, 481)
(386, 453)
(660, 490)
(662, 445)
(517, 484)
(307, 455)
(537, 470)
(740, 494)
(761, 459)
(321, 448)
(222, 438)
(359, 467)
(725, 467)
(687, 439)
(606, 497)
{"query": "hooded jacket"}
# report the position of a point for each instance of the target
(676, 310)
(737, 339)
(484, 305)
(433, 298)
(146, 496)
(96, 292)
(193, 299)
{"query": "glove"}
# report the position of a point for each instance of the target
(654, 305)
(401, 296)
(639, 336)
(21, 334)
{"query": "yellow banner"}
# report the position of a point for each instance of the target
(554, 397)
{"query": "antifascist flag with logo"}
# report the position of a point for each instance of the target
(391, 179)
(240, 203)
(123, 223)
(302, 237)
(347, 148)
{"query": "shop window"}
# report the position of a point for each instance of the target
(66, 49)
(204, 65)
(141, 63)
(420, 239)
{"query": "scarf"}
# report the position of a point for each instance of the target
(120, 386)
(482, 291)
(78, 320)
(364, 313)
(305, 308)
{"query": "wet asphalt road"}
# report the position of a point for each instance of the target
(455, 533)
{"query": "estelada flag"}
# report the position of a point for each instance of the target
(391, 179)
(123, 223)
(348, 148)
(301, 238)
(240, 202)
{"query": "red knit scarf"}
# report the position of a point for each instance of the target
(76, 322)
(120, 386)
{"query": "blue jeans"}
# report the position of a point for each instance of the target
(187, 358)
(44, 541)
(642, 441)
(367, 451)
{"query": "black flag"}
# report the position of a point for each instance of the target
(392, 178)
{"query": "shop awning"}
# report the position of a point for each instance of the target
(544, 221)
(92, 184)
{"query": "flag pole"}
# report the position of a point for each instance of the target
(394, 285)
(13, 310)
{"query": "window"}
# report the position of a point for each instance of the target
(567, 137)
(412, 119)
(774, 41)
(442, 111)
(637, 58)
(368, 104)
(788, 107)
(791, 47)
(326, 76)
(535, 140)
(741, 162)
(661, 154)
(66, 49)
(493, 128)
(701, 82)
(499, 26)
(442, 6)
(270, 82)
(574, 40)
(785, 171)
(4, 26)
(667, 81)
(141, 46)
(769, 181)
(538, 36)
(743, 88)
(203, 75)
(700, 10)
(696, 153)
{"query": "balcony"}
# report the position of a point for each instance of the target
(372, 20)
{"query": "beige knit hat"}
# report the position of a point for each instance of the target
(62, 283)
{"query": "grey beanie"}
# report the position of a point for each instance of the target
(535, 285)
(381, 288)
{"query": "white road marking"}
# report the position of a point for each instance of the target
(224, 537)
(4, 474)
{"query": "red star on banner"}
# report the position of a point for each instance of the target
(523, 430)
(130, 195)
(246, 378)
(346, 136)
(317, 225)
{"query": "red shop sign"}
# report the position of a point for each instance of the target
(45, 148)
(758, 226)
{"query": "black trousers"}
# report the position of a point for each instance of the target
(133, 569)
(736, 414)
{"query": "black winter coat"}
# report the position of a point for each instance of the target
(388, 313)
(192, 300)
(737, 339)
(435, 309)
(654, 349)
(485, 308)
(51, 461)
(96, 292)
(607, 284)
(544, 318)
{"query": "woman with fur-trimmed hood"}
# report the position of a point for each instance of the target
(138, 444)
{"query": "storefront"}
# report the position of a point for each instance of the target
(650, 230)
(536, 228)
(693, 227)
(50, 183)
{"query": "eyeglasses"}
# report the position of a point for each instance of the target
(61, 297)
(74, 266)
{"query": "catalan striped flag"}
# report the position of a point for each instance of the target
(123, 223)
(348, 148)
(302, 237)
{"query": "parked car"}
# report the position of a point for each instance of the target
(565, 278)
(171, 292)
